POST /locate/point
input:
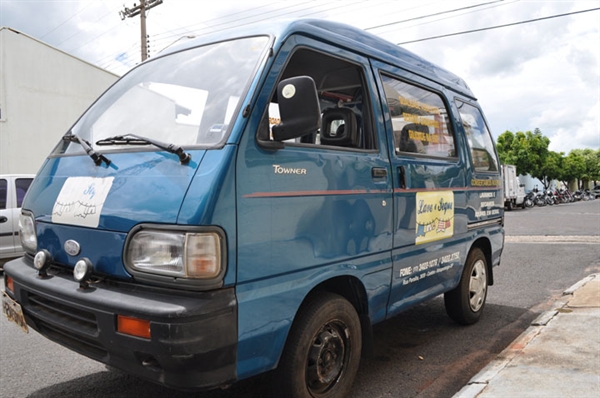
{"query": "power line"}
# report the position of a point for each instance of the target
(498, 26)
(228, 23)
(78, 32)
(433, 15)
(188, 28)
(96, 37)
(167, 37)
(235, 20)
(66, 20)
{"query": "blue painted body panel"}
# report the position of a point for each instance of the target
(272, 298)
(147, 187)
(288, 233)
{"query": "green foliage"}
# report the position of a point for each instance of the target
(587, 166)
(573, 167)
(529, 153)
(526, 150)
(550, 169)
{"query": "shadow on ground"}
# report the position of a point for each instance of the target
(420, 352)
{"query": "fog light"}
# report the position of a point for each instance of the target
(41, 262)
(82, 272)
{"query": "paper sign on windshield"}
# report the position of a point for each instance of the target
(80, 201)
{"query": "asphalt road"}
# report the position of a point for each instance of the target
(420, 353)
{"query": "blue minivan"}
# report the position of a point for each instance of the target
(257, 200)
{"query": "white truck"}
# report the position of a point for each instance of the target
(514, 191)
(12, 192)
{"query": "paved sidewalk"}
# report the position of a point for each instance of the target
(557, 356)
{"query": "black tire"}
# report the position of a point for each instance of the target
(465, 303)
(322, 353)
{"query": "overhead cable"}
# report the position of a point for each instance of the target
(498, 26)
(433, 15)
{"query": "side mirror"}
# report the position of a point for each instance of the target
(299, 108)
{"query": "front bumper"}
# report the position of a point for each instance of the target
(193, 342)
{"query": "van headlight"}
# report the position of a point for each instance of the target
(180, 254)
(27, 233)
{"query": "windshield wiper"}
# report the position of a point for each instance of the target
(132, 139)
(97, 157)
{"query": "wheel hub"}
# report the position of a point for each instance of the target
(477, 286)
(326, 359)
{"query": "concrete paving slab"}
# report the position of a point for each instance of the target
(588, 296)
(558, 356)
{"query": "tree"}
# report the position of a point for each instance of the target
(589, 168)
(573, 167)
(551, 169)
(593, 162)
(529, 152)
(526, 150)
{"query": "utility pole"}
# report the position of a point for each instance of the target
(140, 10)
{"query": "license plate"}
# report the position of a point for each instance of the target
(13, 312)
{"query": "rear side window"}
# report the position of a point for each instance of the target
(3, 193)
(419, 120)
(22, 185)
(480, 141)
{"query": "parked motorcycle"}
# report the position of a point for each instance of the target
(539, 198)
(549, 197)
(568, 196)
(589, 195)
(529, 200)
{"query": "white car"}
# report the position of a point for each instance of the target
(12, 191)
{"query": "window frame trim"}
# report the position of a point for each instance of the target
(469, 152)
(364, 69)
(413, 155)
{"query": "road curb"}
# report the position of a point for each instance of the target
(480, 381)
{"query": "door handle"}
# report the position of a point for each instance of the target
(402, 177)
(379, 172)
(3, 219)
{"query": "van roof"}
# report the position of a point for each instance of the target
(349, 37)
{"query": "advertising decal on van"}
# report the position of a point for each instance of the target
(435, 216)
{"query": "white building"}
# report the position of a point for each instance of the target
(43, 91)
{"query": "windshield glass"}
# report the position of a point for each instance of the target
(186, 98)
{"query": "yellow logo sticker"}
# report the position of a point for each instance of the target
(435, 216)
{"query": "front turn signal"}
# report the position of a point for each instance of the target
(133, 326)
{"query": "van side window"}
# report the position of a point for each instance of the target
(3, 193)
(478, 136)
(22, 185)
(419, 120)
(345, 110)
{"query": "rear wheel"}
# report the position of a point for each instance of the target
(465, 303)
(322, 354)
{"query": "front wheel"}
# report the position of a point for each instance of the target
(465, 303)
(322, 353)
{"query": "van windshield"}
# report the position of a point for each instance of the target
(186, 98)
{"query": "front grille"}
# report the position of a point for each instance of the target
(60, 314)
(80, 344)
(67, 325)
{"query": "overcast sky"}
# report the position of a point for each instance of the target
(543, 74)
